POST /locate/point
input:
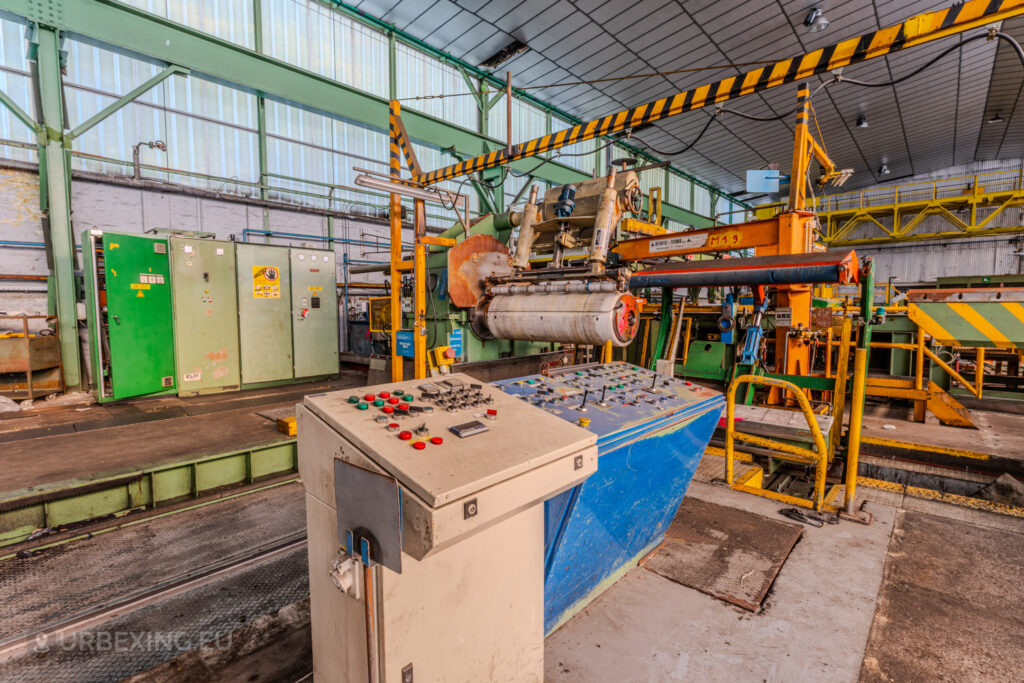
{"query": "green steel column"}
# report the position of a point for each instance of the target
(55, 191)
(392, 66)
(261, 144)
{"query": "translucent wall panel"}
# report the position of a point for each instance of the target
(579, 155)
(314, 37)
(231, 20)
(678, 192)
(15, 82)
(420, 74)
(528, 121)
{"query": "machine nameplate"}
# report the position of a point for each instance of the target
(677, 242)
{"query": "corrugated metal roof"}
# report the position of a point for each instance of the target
(921, 125)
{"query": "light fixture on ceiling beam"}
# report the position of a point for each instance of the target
(862, 121)
(815, 20)
(883, 170)
(997, 118)
(504, 54)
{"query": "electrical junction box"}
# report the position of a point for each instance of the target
(205, 315)
(264, 312)
(314, 290)
(128, 309)
(458, 574)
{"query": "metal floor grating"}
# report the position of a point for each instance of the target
(60, 582)
(145, 638)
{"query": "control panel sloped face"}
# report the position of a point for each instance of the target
(447, 438)
(609, 397)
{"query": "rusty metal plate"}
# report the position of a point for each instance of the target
(968, 295)
(472, 261)
(730, 554)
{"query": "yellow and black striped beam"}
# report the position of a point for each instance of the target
(915, 31)
(400, 140)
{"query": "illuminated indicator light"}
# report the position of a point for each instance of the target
(437, 441)
(405, 436)
(419, 445)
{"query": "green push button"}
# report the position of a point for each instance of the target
(353, 399)
(362, 406)
(378, 402)
(531, 381)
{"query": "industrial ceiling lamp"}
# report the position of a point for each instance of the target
(816, 21)
(862, 121)
(883, 170)
(996, 119)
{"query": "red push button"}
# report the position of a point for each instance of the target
(437, 441)
(393, 400)
(492, 411)
(388, 409)
(419, 445)
(405, 435)
(384, 394)
(369, 397)
(403, 406)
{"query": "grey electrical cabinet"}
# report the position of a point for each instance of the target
(314, 283)
(264, 312)
(205, 302)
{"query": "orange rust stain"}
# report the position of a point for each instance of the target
(220, 372)
(218, 356)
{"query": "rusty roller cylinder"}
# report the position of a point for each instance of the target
(568, 318)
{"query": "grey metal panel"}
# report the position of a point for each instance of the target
(264, 312)
(314, 312)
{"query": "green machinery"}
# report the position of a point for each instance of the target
(191, 316)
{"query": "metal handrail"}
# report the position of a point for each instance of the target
(819, 456)
(922, 190)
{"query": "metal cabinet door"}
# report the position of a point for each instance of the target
(205, 315)
(314, 312)
(264, 312)
(139, 318)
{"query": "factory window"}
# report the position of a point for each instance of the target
(420, 74)
(231, 20)
(317, 38)
(14, 81)
(702, 201)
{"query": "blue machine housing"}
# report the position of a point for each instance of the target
(652, 431)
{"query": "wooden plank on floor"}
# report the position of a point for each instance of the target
(728, 553)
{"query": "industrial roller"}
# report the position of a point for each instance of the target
(566, 317)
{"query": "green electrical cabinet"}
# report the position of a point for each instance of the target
(264, 312)
(205, 315)
(314, 312)
(128, 300)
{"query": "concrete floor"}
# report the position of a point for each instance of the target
(817, 618)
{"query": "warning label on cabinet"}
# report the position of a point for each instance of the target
(266, 282)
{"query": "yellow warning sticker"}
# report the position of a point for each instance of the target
(314, 288)
(140, 285)
(266, 282)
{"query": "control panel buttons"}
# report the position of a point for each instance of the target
(369, 397)
(362, 406)
(405, 435)
(394, 400)
(378, 402)
(384, 394)
(419, 445)
(437, 441)
(388, 409)
(353, 399)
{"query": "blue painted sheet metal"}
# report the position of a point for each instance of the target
(652, 435)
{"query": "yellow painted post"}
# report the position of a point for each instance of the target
(919, 361)
(606, 352)
(730, 418)
(979, 370)
(395, 221)
(860, 372)
(419, 328)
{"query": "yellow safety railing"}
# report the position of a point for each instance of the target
(817, 457)
(922, 191)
